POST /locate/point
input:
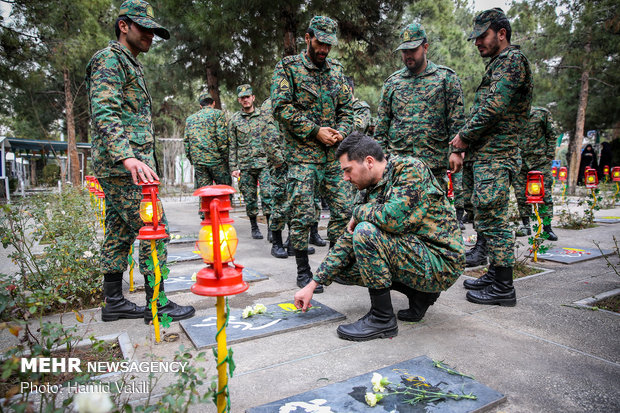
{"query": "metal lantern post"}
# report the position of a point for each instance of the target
(563, 176)
(591, 180)
(450, 187)
(534, 193)
(151, 211)
(217, 243)
(606, 173)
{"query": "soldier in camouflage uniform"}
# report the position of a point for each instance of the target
(421, 108)
(402, 236)
(537, 145)
(123, 153)
(361, 110)
(206, 144)
(312, 102)
(491, 137)
(245, 130)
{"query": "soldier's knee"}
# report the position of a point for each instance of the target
(365, 231)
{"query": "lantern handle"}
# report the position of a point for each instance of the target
(215, 225)
(155, 209)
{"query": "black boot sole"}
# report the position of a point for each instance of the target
(115, 317)
(401, 315)
(177, 318)
(503, 302)
(471, 264)
(380, 334)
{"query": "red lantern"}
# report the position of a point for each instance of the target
(591, 178)
(554, 171)
(217, 243)
(450, 186)
(606, 170)
(151, 211)
(563, 174)
(615, 173)
(90, 183)
(535, 188)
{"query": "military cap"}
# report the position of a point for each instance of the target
(203, 96)
(324, 29)
(141, 12)
(244, 90)
(411, 36)
(484, 20)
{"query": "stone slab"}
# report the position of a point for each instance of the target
(173, 241)
(607, 220)
(279, 318)
(184, 282)
(570, 255)
(348, 396)
(182, 256)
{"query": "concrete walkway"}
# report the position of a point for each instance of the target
(545, 354)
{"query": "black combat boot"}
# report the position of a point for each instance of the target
(501, 292)
(418, 302)
(277, 249)
(255, 231)
(380, 322)
(315, 237)
(549, 230)
(291, 251)
(459, 217)
(269, 234)
(525, 229)
(177, 312)
(304, 275)
(478, 255)
(331, 244)
(482, 282)
(116, 306)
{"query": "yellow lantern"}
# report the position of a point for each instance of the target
(146, 210)
(228, 243)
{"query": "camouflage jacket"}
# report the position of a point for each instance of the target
(306, 97)
(407, 200)
(206, 138)
(120, 107)
(420, 114)
(245, 133)
(361, 114)
(273, 143)
(538, 139)
(501, 107)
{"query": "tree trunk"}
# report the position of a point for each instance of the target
(213, 84)
(72, 155)
(574, 145)
(289, 22)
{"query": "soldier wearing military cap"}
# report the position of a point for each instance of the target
(124, 153)
(206, 144)
(248, 159)
(421, 107)
(491, 139)
(311, 100)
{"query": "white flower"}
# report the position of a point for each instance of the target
(247, 312)
(259, 309)
(87, 254)
(63, 212)
(93, 402)
(378, 382)
(372, 399)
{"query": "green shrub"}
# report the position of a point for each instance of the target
(50, 174)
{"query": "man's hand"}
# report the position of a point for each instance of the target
(302, 297)
(236, 173)
(456, 162)
(328, 136)
(140, 170)
(351, 226)
(458, 143)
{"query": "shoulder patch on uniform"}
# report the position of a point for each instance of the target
(345, 88)
(284, 85)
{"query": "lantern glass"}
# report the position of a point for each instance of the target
(146, 211)
(228, 243)
(533, 188)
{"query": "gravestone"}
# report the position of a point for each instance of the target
(349, 395)
(182, 256)
(607, 220)
(185, 282)
(278, 318)
(567, 255)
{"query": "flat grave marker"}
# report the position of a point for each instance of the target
(349, 395)
(278, 318)
(570, 255)
(607, 220)
(185, 282)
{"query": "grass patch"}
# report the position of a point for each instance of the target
(520, 271)
(610, 303)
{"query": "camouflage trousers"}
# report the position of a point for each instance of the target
(250, 182)
(305, 181)
(209, 174)
(122, 224)
(280, 204)
(457, 187)
(525, 209)
(375, 259)
(491, 197)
